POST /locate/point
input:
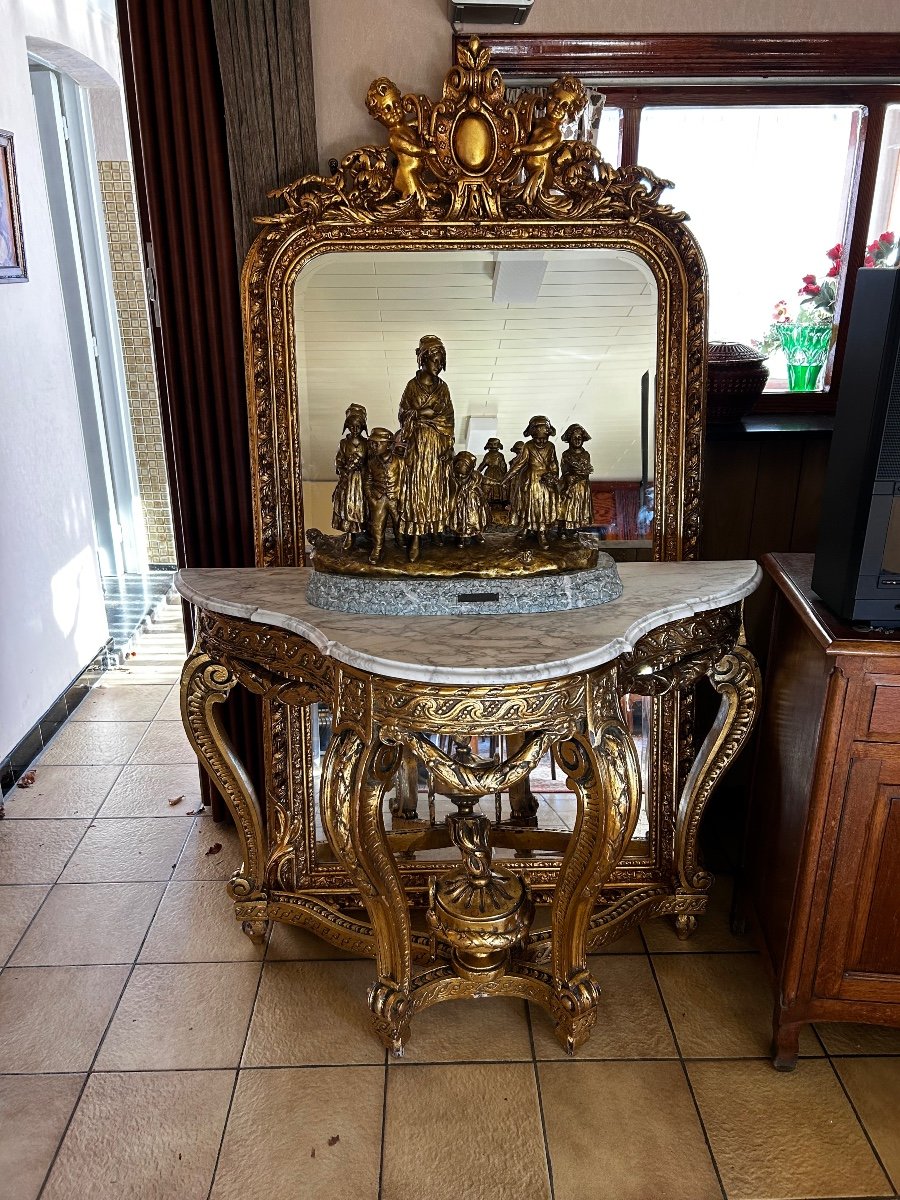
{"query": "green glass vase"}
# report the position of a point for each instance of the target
(805, 348)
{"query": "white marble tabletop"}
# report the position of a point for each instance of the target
(475, 650)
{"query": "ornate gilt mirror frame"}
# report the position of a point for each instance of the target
(469, 171)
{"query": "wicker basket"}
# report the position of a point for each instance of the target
(735, 380)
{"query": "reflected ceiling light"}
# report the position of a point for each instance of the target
(518, 276)
(478, 430)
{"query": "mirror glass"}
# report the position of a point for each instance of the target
(567, 333)
(570, 333)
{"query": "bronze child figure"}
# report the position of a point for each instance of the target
(468, 511)
(381, 487)
(514, 487)
(348, 502)
(538, 471)
(493, 471)
(575, 507)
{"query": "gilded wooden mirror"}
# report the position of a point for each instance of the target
(558, 284)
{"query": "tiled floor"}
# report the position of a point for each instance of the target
(148, 1050)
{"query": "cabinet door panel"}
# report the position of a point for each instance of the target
(860, 946)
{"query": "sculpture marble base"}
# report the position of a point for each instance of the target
(444, 597)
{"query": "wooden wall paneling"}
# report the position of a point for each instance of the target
(265, 60)
(808, 509)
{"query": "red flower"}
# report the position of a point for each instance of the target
(887, 239)
(834, 272)
(811, 289)
(873, 246)
(835, 252)
(870, 261)
(809, 279)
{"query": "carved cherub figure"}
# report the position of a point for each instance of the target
(565, 100)
(468, 511)
(381, 487)
(536, 465)
(575, 508)
(493, 471)
(348, 502)
(385, 104)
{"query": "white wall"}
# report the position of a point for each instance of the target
(53, 620)
(354, 41)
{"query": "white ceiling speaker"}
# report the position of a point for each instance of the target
(494, 12)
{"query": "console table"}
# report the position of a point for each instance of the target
(547, 682)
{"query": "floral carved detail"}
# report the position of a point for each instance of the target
(553, 705)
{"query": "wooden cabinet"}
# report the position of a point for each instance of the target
(822, 873)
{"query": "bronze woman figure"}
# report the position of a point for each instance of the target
(426, 427)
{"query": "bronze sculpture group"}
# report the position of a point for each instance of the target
(412, 480)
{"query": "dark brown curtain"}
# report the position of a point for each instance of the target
(177, 123)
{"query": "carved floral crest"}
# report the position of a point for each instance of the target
(474, 155)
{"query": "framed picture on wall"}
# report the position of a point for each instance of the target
(12, 248)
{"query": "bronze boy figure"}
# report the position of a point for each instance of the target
(382, 489)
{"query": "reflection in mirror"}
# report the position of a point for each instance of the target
(569, 333)
(555, 807)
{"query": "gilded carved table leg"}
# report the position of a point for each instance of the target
(206, 683)
(736, 678)
(606, 782)
(355, 776)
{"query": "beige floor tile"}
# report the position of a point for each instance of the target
(713, 931)
(165, 742)
(17, 906)
(783, 1136)
(631, 1022)
(54, 1017)
(86, 923)
(196, 861)
(313, 1012)
(289, 942)
(126, 850)
(128, 703)
(87, 744)
(153, 669)
(171, 706)
(37, 851)
(464, 1130)
(180, 1016)
(874, 1087)
(140, 1136)
(468, 1030)
(62, 792)
(845, 1038)
(721, 1005)
(326, 1141)
(34, 1110)
(651, 1149)
(196, 923)
(146, 792)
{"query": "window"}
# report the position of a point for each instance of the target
(780, 146)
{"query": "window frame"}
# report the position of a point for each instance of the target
(643, 70)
